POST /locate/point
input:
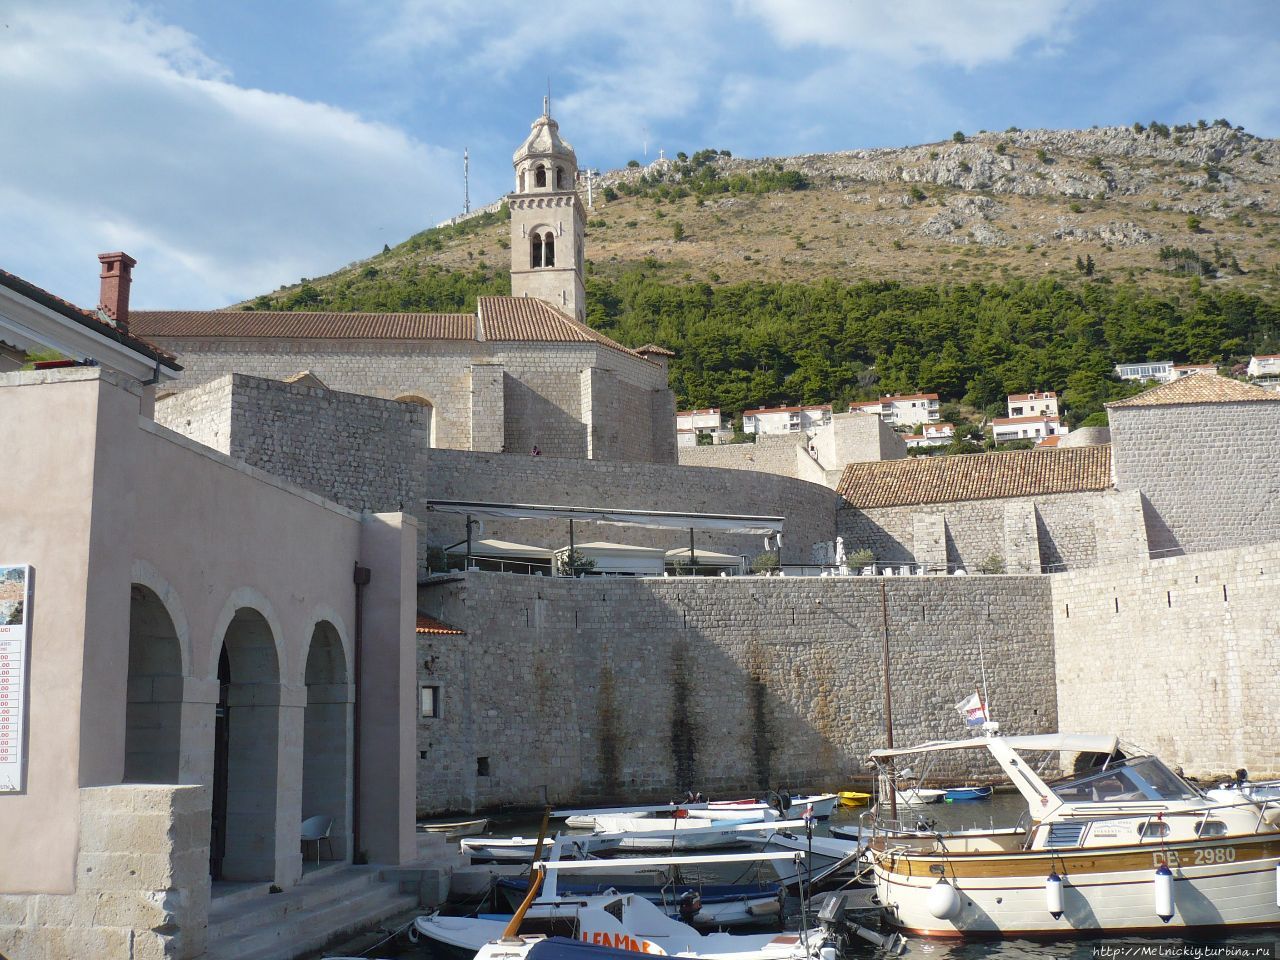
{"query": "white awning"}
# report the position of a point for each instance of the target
(726, 523)
(601, 548)
(506, 550)
(1060, 742)
(707, 558)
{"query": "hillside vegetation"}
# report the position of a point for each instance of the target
(987, 264)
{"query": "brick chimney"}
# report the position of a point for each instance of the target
(113, 296)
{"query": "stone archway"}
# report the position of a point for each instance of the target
(428, 413)
(326, 739)
(153, 710)
(243, 832)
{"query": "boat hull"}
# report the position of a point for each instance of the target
(1224, 884)
(962, 794)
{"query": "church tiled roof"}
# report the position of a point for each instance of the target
(303, 325)
(977, 476)
(1197, 388)
(531, 319)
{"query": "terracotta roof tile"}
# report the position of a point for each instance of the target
(1197, 388)
(431, 625)
(129, 336)
(530, 319)
(977, 476)
(654, 348)
(306, 326)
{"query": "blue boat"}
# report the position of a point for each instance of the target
(960, 794)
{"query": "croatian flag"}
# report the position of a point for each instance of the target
(975, 714)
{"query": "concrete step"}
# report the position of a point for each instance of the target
(312, 929)
(228, 916)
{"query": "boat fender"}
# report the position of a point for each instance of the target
(1053, 895)
(828, 951)
(944, 901)
(769, 909)
(1164, 893)
(690, 904)
(413, 934)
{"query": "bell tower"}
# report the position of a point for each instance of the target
(548, 224)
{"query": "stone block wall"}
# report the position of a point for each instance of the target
(1029, 534)
(202, 413)
(372, 454)
(857, 438)
(613, 689)
(142, 882)
(1179, 655)
(1210, 473)
(541, 396)
(771, 453)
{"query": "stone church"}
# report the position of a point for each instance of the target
(523, 372)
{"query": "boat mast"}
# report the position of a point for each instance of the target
(888, 699)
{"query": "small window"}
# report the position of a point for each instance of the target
(559, 178)
(1153, 830)
(482, 766)
(549, 250)
(430, 701)
(540, 176)
(535, 251)
(1211, 828)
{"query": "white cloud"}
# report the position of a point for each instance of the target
(132, 138)
(966, 34)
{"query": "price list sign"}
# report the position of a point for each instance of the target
(15, 602)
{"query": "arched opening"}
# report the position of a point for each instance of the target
(520, 182)
(549, 250)
(326, 743)
(540, 176)
(242, 842)
(153, 708)
(535, 251)
(428, 413)
(560, 178)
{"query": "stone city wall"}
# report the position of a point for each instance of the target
(371, 454)
(617, 689)
(1029, 534)
(202, 413)
(141, 887)
(1175, 454)
(1180, 655)
(542, 392)
(786, 455)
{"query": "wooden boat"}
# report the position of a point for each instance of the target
(622, 921)
(703, 905)
(1121, 846)
(455, 829)
(964, 794)
(854, 798)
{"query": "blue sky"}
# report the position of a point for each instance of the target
(235, 145)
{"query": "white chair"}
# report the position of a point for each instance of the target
(315, 829)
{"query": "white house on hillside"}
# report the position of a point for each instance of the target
(934, 435)
(692, 424)
(1026, 428)
(1267, 365)
(767, 420)
(911, 409)
(1043, 404)
(1160, 370)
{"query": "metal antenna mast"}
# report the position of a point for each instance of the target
(466, 180)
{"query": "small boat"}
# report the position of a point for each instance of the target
(668, 833)
(817, 854)
(823, 805)
(703, 905)
(456, 829)
(962, 794)
(917, 796)
(521, 849)
(854, 798)
(1119, 845)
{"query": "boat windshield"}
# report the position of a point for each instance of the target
(1143, 778)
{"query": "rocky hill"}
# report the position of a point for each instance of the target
(1143, 204)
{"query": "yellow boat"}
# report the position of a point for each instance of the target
(853, 798)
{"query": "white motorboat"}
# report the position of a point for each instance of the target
(919, 796)
(1123, 845)
(821, 804)
(815, 855)
(521, 849)
(1244, 788)
(454, 829)
(669, 833)
(701, 904)
(622, 921)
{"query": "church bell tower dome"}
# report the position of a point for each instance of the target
(548, 223)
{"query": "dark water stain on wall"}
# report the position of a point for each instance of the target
(684, 747)
(607, 731)
(757, 703)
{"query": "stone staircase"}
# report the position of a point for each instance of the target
(253, 924)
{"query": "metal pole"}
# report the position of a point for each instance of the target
(888, 698)
(573, 560)
(693, 560)
(467, 566)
